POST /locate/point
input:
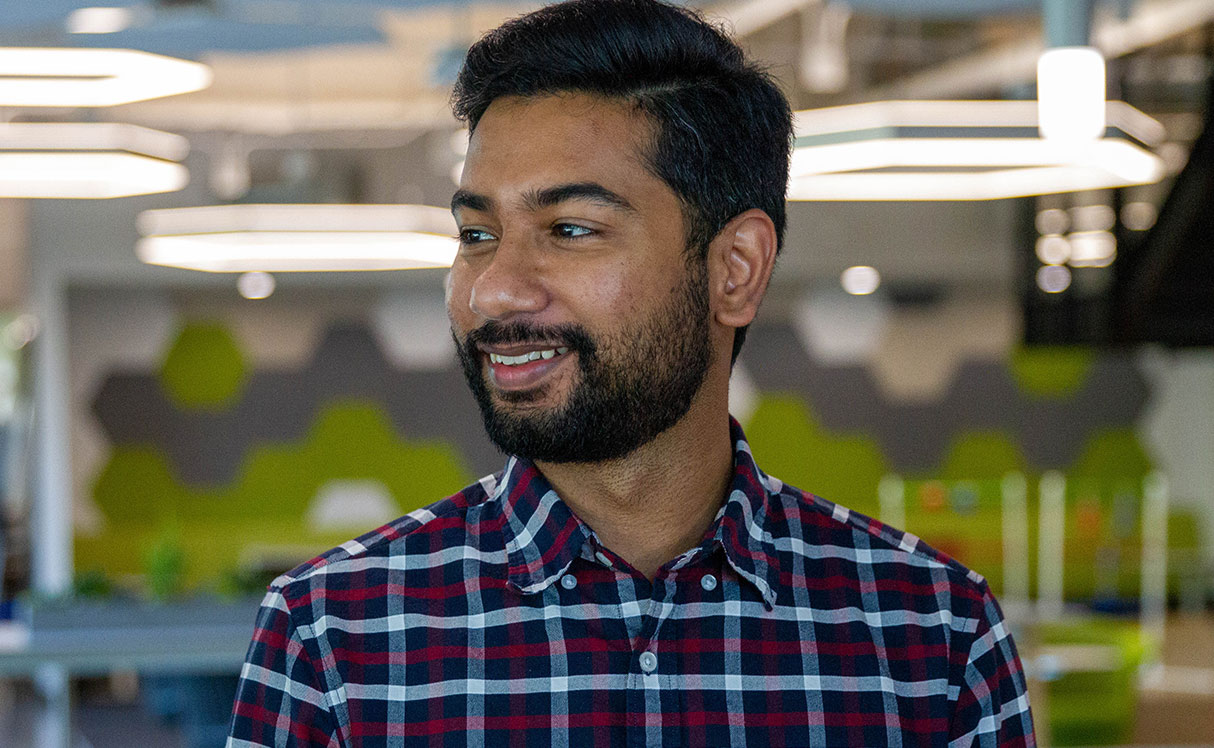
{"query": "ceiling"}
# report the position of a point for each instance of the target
(350, 85)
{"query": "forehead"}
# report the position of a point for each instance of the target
(566, 134)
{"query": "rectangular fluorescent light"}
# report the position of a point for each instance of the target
(962, 150)
(88, 160)
(70, 77)
(298, 238)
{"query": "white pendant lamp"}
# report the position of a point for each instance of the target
(290, 238)
(90, 160)
(71, 77)
(963, 150)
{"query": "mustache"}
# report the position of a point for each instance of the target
(493, 332)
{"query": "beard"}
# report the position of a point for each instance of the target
(633, 383)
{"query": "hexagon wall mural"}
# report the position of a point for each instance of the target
(239, 465)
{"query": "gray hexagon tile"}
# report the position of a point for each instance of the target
(983, 397)
(207, 448)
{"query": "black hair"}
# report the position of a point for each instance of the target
(723, 129)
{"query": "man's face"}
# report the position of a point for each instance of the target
(581, 323)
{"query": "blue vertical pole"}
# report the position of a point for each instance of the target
(1067, 23)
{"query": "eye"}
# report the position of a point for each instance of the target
(571, 231)
(474, 236)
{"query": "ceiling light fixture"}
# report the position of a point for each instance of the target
(860, 280)
(287, 238)
(69, 77)
(88, 160)
(1071, 93)
(962, 150)
(99, 20)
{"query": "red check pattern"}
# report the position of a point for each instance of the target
(495, 617)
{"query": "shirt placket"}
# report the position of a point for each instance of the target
(645, 715)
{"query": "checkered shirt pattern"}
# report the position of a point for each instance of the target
(496, 618)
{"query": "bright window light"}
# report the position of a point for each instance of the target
(1052, 221)
(69, 77)
(1092, 218)
(99, 20)
(1139, 216)
(290, 238)
(860, 280)
(1053, 250)
(1093, 248)
(1071, 93)
(1053, 278)
(88, 160)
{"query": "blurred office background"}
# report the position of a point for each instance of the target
(1002, 344)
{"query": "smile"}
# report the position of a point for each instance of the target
(497, 358)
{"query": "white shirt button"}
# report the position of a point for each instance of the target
(649, 662)
(569, 581)
(708, 582)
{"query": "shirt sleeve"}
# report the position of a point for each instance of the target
(992, 706)
(280, 701)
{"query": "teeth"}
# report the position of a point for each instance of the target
(523, 358)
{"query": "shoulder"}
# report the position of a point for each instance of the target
(445, 523)
(819, 529)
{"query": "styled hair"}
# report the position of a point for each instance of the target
(722, 128)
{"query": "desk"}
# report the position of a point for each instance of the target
(195, 637)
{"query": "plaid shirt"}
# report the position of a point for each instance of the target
(495, 617)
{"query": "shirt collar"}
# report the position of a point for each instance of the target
(543, 535)
(741, 529)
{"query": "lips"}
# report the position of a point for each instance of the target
(515, 368)
(523, 358)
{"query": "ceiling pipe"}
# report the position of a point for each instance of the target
(1067, 23)
(1013, 64)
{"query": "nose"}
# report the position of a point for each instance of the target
(509, 284)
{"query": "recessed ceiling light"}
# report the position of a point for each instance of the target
(255, 284)
(860, 280)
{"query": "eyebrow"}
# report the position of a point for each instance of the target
(592, 192)
(470, 200)
(589, 191)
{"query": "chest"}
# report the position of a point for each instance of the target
(589, 663)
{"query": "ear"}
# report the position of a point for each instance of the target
(740, 260)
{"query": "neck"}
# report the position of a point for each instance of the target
(656, 502)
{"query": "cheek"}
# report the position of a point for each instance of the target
(457, 290)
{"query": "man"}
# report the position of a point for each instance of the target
(630, 577)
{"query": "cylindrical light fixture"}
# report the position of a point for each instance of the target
(1071, 93)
